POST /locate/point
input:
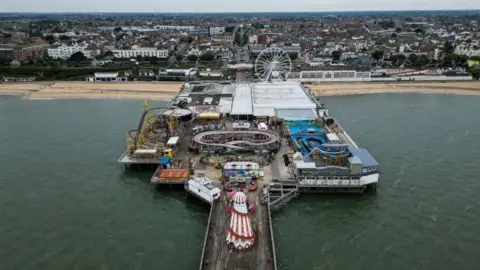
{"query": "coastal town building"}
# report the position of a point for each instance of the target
(24, 51)
(223, 38)
(30, 51)
(65, 51)
(175, 27)
(106, 77)
(217, 30)
(141, 51)
(467, 50)
(177, 74)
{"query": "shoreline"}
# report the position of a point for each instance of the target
(164, 91)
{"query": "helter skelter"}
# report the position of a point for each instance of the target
(240, 235)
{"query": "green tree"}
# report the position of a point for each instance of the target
(475, 71)
(293, 56)
(377, 55)
(192, 57)
(153, 60)
(462, 59)
(77, 57)
(450, 60)
(258, 25)
(393, 59)
(423, 61)
(5, 60)
(336, 55)
(448, 47)
(117, 29)
(238, 39)
(50, 39)
(413, 58)
(419, 31)
(475, 58)
(245, 38)
(179, 57)
(190, 39)
(207, 56)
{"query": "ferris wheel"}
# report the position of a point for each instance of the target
(273, 63)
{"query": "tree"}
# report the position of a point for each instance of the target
(245, 38)
(4, 60)
(413, 58)
(117, 29)
(394, 35)
(448, 47)
(153, 60)
(238, 39)
(393, 59)
(377, 55)
(207, 56)
(387, 24)
(293, 56)
(475, 71)
(258, 25)
(336, 55)
(450, 60)
(462, 59)
(192, 57)
(190, 39)
(77, 57)
(179, 57)
(423, 61)
(398, 30)
(419, 31)
(50, 39)
(475, 58)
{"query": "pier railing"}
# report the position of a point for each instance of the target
(205, 241)
(274, 251)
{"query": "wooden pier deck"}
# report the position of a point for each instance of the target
(261, 256)
(129, 160)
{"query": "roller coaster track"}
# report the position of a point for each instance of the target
(272, 138)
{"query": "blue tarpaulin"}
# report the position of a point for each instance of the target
(164, 160)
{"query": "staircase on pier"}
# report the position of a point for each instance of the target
(280, 193)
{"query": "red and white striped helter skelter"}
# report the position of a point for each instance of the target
(239, 231)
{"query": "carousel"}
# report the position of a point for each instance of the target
(240, 235)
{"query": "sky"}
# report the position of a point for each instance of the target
(230, 5)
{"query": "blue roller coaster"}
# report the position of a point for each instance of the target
(307, 143)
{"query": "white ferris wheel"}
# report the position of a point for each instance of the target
(273, 63)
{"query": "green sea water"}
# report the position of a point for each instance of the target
(65, 203)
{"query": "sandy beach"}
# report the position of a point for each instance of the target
(461, 88)
(168, 90)
(72, 90)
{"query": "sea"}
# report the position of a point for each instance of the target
(65, 202)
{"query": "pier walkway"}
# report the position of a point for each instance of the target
(215, 249)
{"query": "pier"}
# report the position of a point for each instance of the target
(216, 254)
(247, 150)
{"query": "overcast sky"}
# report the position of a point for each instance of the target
(229, 5)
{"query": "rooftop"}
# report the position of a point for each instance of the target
(365, 156)
(278, 95)
(242, 102)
